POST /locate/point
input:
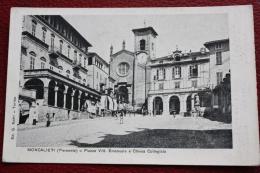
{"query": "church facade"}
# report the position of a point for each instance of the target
(130, 69)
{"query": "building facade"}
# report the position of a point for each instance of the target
(220, 74)
(54, 60)
(177, 81)
(130, 70)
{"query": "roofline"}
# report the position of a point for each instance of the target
(132, 53)
(62, 18)
(170, 56)
(74, 30)
(145, 28)
(95, 54)
(215, 41)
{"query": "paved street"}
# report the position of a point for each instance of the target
(108, 132)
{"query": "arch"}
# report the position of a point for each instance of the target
(68, 98)
(122, 95)
(174, 105)
(37, 85)
(68, 71)
(142, 44)
(51, 93)
(157, 106)
(60, 67)
(75, 101)
(60, 95)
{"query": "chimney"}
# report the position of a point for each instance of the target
(123, 45)
(111, 50)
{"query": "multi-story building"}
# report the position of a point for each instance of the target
(100, 80)
(177, 80)
(54, 60)
(98, 72)
(220, 74)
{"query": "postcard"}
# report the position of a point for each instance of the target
(162, 86)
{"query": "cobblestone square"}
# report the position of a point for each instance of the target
(136, 131)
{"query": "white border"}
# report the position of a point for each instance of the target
(243, 82)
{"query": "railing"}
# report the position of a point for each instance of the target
(54, 51)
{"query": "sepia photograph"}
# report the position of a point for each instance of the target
(140, 82)
(150, 85)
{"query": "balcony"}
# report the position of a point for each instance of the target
(76, 65)
(54, 52)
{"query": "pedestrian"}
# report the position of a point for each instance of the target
(121, 117)
(48, 120)
(35, 113)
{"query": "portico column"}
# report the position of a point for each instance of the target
(55, 96)
(183, 104)
(79, 100)
(72, 99)
(192, 102)
(150, 106)
(166, 105)
(64, 96)
(45, 91)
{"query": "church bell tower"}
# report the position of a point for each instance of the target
(145, 41)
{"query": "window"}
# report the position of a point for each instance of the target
(123, 68)
(142, 44)
(219, 77)
(42, 65)
(68, 51)
(80, 58)
(60, 67)
(218, 46)
(161, 74)
(75, 56)
(34, 23)
(218, 58)
(61, 44)
(152, 46)
(176, 72)
(194, 71)
(177, 57)
(52, 42)
(32, 62)
(160, 86)
(164, 74)
(85, 62)
(177, 85)
(194, 83)
(157, 74)
(97, 75)
(43, 34)
(68, 73)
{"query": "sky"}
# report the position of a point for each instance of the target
(187, 32)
